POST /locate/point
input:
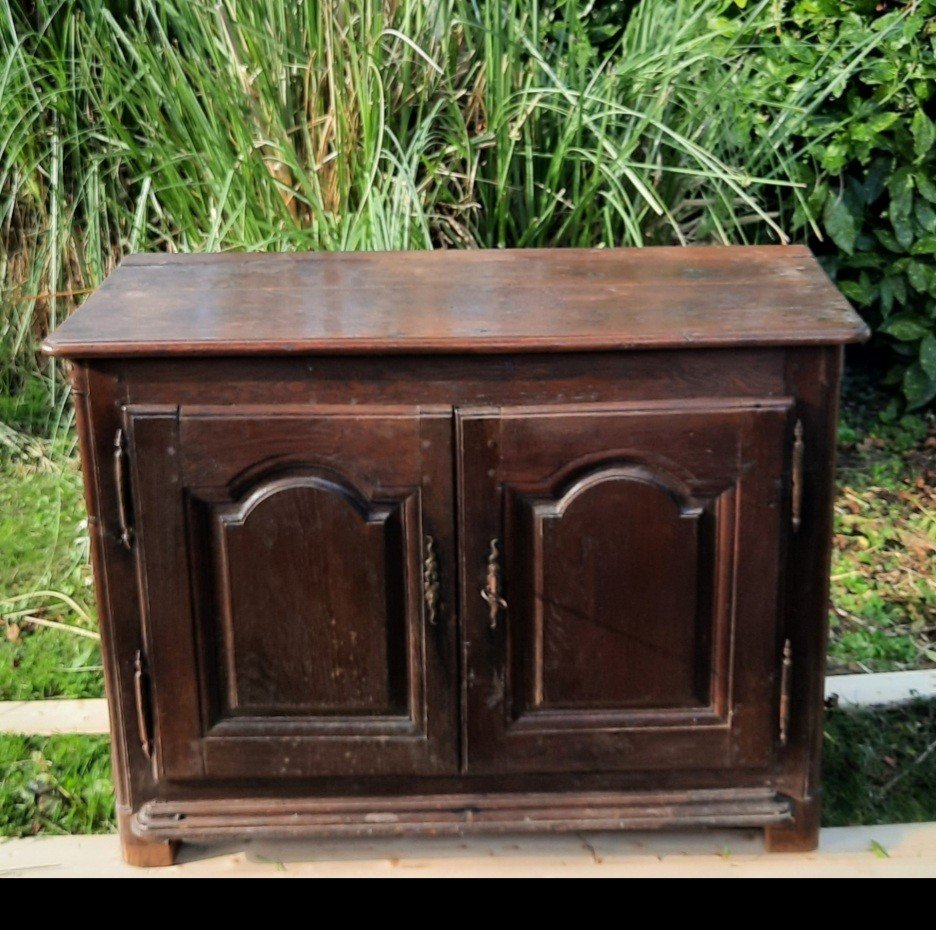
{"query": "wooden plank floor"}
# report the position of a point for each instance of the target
(844, 852)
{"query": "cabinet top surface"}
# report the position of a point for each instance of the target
(537, 300)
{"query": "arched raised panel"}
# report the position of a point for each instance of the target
(619, 565)
(310, 600)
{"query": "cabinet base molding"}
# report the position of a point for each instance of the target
(458, 814)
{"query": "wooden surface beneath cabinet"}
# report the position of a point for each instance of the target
(442, 542)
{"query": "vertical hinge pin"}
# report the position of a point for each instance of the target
(798, 451)
(120, 480)
(142, 705)
(785, 678)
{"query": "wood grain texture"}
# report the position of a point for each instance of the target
(141, 850)
(814, 375)
(148, 855)
(446, 302)
(605, 632)
(311, 591)
(473, 380)
(800, 833)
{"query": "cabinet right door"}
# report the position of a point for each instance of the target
(620, 569)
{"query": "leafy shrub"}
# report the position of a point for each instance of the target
(878, 197)
(867, 156)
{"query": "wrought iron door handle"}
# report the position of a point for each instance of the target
(142, 705)
(491, 592)
(431, 582)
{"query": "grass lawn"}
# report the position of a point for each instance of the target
(55, 784)
(883, 584)
(879, 766)
(45, 578)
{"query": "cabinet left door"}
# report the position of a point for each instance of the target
(294, 566)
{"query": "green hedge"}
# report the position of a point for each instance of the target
(871, 168)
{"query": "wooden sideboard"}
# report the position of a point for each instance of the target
(451, 541)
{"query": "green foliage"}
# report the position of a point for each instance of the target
(867, 155)
(58, 784)
(879, 765)
(883, 590)
(194, 125)
(44, 577)
(603, 21)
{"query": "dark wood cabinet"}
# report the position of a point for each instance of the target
(440, 542)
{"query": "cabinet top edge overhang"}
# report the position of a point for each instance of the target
(457, 302)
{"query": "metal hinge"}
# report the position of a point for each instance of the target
(141, 693)
(799, 449)
(123, 491)
(785, 680)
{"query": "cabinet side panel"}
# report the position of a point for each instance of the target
(813, 377)
(80, 378)
(98, 396)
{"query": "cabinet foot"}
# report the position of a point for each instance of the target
(800, 836)
(146, 854)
